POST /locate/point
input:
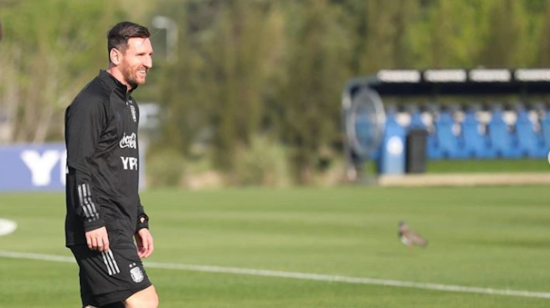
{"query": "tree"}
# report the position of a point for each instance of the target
(224, 74)
(507, 40)
(380, 31)
(47, 58)
(316, 59)
(450, 34)
(544, 47)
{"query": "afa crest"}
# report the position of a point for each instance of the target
(136, 274)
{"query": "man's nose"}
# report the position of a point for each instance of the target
(148, 62)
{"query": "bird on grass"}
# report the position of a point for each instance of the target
(409, 237)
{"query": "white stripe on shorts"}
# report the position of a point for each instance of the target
(107, 263)
(110, 262)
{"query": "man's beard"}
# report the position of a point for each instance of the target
(130, 76)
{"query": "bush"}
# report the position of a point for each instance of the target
(164, 168)
(263, 163)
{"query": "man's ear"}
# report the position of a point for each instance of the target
(115, 56)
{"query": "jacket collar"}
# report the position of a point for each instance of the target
(114, 83)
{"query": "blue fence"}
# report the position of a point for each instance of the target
(29, 167)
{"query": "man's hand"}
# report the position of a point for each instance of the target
(144, 241)
(98, 239)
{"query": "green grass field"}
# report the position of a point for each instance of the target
(487, 237)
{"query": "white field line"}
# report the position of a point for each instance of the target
(7, 226)
(297, 275)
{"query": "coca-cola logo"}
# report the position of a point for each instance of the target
(129, 141)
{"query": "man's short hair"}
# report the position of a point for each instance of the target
(119, 35)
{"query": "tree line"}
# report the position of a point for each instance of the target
(249, 70)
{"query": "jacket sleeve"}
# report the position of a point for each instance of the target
(85, 120)
(142, 218)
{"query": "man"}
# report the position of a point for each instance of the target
(104, 212)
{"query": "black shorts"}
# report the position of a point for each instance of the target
(109, 278)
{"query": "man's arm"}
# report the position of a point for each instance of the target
(142, 218)
(144, 239)
(98, 239)
(84, 122)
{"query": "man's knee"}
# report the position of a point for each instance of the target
(147, 298)
(144, 303)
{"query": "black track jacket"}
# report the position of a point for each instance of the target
(101, 127)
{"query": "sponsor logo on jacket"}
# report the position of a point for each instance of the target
(129, 141)
(129, 163)
(133, 111)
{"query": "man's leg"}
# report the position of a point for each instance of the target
(146, 298)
